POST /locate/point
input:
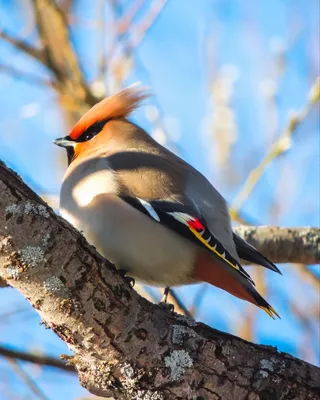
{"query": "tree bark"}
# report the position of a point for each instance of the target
(284, 245)
(126, 347)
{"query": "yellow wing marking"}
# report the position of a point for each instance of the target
(199, 237)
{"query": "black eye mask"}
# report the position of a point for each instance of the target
(92, 131)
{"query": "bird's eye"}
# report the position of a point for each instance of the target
(89, 136)
(91, 132)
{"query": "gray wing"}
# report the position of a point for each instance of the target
(153, 172)
(214, 209)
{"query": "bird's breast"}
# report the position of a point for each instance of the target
(135, 242)
(87, 180)
(82, 183)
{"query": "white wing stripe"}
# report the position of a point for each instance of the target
(150, 209)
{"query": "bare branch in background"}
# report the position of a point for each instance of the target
(102, 55)
(34, 52)
(60, 56)
(308, 346)
(143, 27)
(284, 245)
(198, 299)
(130, 39)
(124, 24)
(27, 76)
(179, 307)
(27, 380)
(66, 6)
(39, 359)
(282, 144)
(124, 346)
(309, 276)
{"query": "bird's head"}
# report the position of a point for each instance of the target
(88, 130)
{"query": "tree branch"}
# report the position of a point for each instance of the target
(284, 245)
(27, 76)
(60, 56)
(3, 283)
(35, 359)
(19, 44)
(124, 346)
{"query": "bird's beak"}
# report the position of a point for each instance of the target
(64, 142)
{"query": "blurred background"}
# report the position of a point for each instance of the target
(230, 79)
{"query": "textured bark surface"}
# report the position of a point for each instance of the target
(283, 245)
(126, 347)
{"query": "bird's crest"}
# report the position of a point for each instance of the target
(120, 105)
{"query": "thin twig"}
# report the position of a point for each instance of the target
(282, 144)
(309, 276)
(138, 33)
(143, 27)
(308, 350)
(19, 44)
(35, 359)
(102, 56)
(60, 56)
(179, 307)
(123, 25)
(198, 299)
(26, 76)
(27, 379)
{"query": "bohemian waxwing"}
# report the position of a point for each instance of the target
(148, 211)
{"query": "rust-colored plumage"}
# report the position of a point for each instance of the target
(119, 105)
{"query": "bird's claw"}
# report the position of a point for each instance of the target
(131, 281)
(167, 306)
(163, 302)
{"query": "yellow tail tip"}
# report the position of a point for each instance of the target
(271, 312)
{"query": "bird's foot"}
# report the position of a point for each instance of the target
(167, 306)
(131, 281)
(165, 294)
(164, 303)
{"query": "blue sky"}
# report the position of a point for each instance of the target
(255, 47)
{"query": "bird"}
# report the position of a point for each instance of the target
(152, 214)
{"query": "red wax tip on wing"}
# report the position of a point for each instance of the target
(196, 224)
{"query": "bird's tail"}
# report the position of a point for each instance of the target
(262, 303)
(214, 271)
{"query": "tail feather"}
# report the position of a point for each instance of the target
(270, 311)
(212, 270)
(263, 304)
(249, 253)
